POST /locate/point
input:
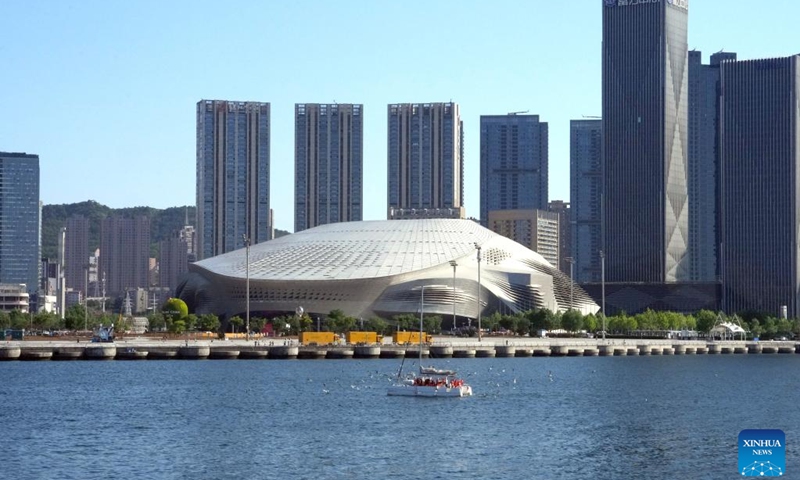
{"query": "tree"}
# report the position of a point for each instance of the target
(705, 320)
(522, 325)
(590, 322)
(156, 322)
(508, 322)
(74, 317)
(5, 320)
(177, 326)
(543, 319)
(784, 327)
(19, 320)
(770, 327)
(236, 322)
(208, 322)
(191, 322)
(257, 324)
(376, 324)
(432, 324)
(648, 320)
(572, 320)
(338, 322)
(755, 328)
(46, 321)
(406, 322)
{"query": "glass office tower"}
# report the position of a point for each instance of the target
(645, 97)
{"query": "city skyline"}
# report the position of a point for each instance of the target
(125, 89)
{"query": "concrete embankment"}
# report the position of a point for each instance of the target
(443, 347)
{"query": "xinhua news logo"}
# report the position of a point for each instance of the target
(762, 453)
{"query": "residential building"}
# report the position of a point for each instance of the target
(124, 254)
(562, 208)
(644, 111)
(328, 163)
(703, 164)
(425, 157)
(534, 229)
(173, 261)
(233, 161)
(14, 296)
(20, 220)
(514, 159)
(76, 254)
(760, 190)
(586, 188)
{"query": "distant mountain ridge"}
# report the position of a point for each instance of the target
(163, 222)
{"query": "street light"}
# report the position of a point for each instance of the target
(571, 282)
(603, 289)
(478, 247)
(454, 264)
(247, 284)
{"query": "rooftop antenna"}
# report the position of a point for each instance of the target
(591, 116)
(518, 112)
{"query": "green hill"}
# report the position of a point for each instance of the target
(162, 222)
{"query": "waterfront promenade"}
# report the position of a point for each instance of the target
(133, 348)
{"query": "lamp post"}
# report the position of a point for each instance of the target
(571, 282)
(454, 264)
(247, 284)
(478, 247)
(603, 289)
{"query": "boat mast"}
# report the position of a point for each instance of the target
(421, 310)
(421, 300)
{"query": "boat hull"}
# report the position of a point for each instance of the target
(429, 391)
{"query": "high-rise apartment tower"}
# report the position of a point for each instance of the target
(233, 145)
(328, 164)
(425, 157)
(514, 159)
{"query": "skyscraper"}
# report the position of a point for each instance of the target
(20, 220)
(76, 253)
(233, 143)
(514, 159)
(760, 185)
(124, 254)
(645, 97)
(562, 209)
(425, 158)
(703, 162)
(586, 187)
(328, 164)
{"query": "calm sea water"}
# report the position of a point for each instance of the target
(548, 418)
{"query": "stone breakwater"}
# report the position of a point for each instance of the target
(443, 347)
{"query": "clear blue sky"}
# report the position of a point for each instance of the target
(105, 91)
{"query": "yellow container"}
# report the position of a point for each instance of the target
(410, 337)
(317, 338)
(363, 337)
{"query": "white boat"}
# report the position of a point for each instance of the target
(431, 385)
(430, 382)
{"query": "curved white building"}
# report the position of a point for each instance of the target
(381, 268)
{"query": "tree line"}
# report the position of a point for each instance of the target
(174, 318)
